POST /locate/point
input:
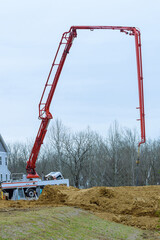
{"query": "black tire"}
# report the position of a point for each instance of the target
(30, 193)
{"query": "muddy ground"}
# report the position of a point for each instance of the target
(134, 206)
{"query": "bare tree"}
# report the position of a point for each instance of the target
(56, 139)
(18, 156)
(76, 150)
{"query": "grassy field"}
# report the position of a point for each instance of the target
(64, 223)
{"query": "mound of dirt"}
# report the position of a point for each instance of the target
(135, 206)
(52, 195)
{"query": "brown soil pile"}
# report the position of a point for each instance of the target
(135, 206)
(52, 195)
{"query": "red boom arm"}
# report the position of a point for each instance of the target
(50, 86)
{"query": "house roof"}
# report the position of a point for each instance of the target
(3, 146)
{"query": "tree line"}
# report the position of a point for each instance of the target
(87, 159)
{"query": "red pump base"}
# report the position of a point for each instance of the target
(33, 175)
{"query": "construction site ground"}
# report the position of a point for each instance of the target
(138, 207)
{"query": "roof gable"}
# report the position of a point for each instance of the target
(3, 146)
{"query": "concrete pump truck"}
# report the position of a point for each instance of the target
(26, 186)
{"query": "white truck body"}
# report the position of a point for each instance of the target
(35, 183)
(20, 189)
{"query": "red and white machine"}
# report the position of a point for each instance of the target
(44, 106)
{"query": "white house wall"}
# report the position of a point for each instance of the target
(4, 172)
(2, 147)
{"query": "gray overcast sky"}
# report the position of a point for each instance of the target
(98, 83)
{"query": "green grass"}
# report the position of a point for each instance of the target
(62, 223)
